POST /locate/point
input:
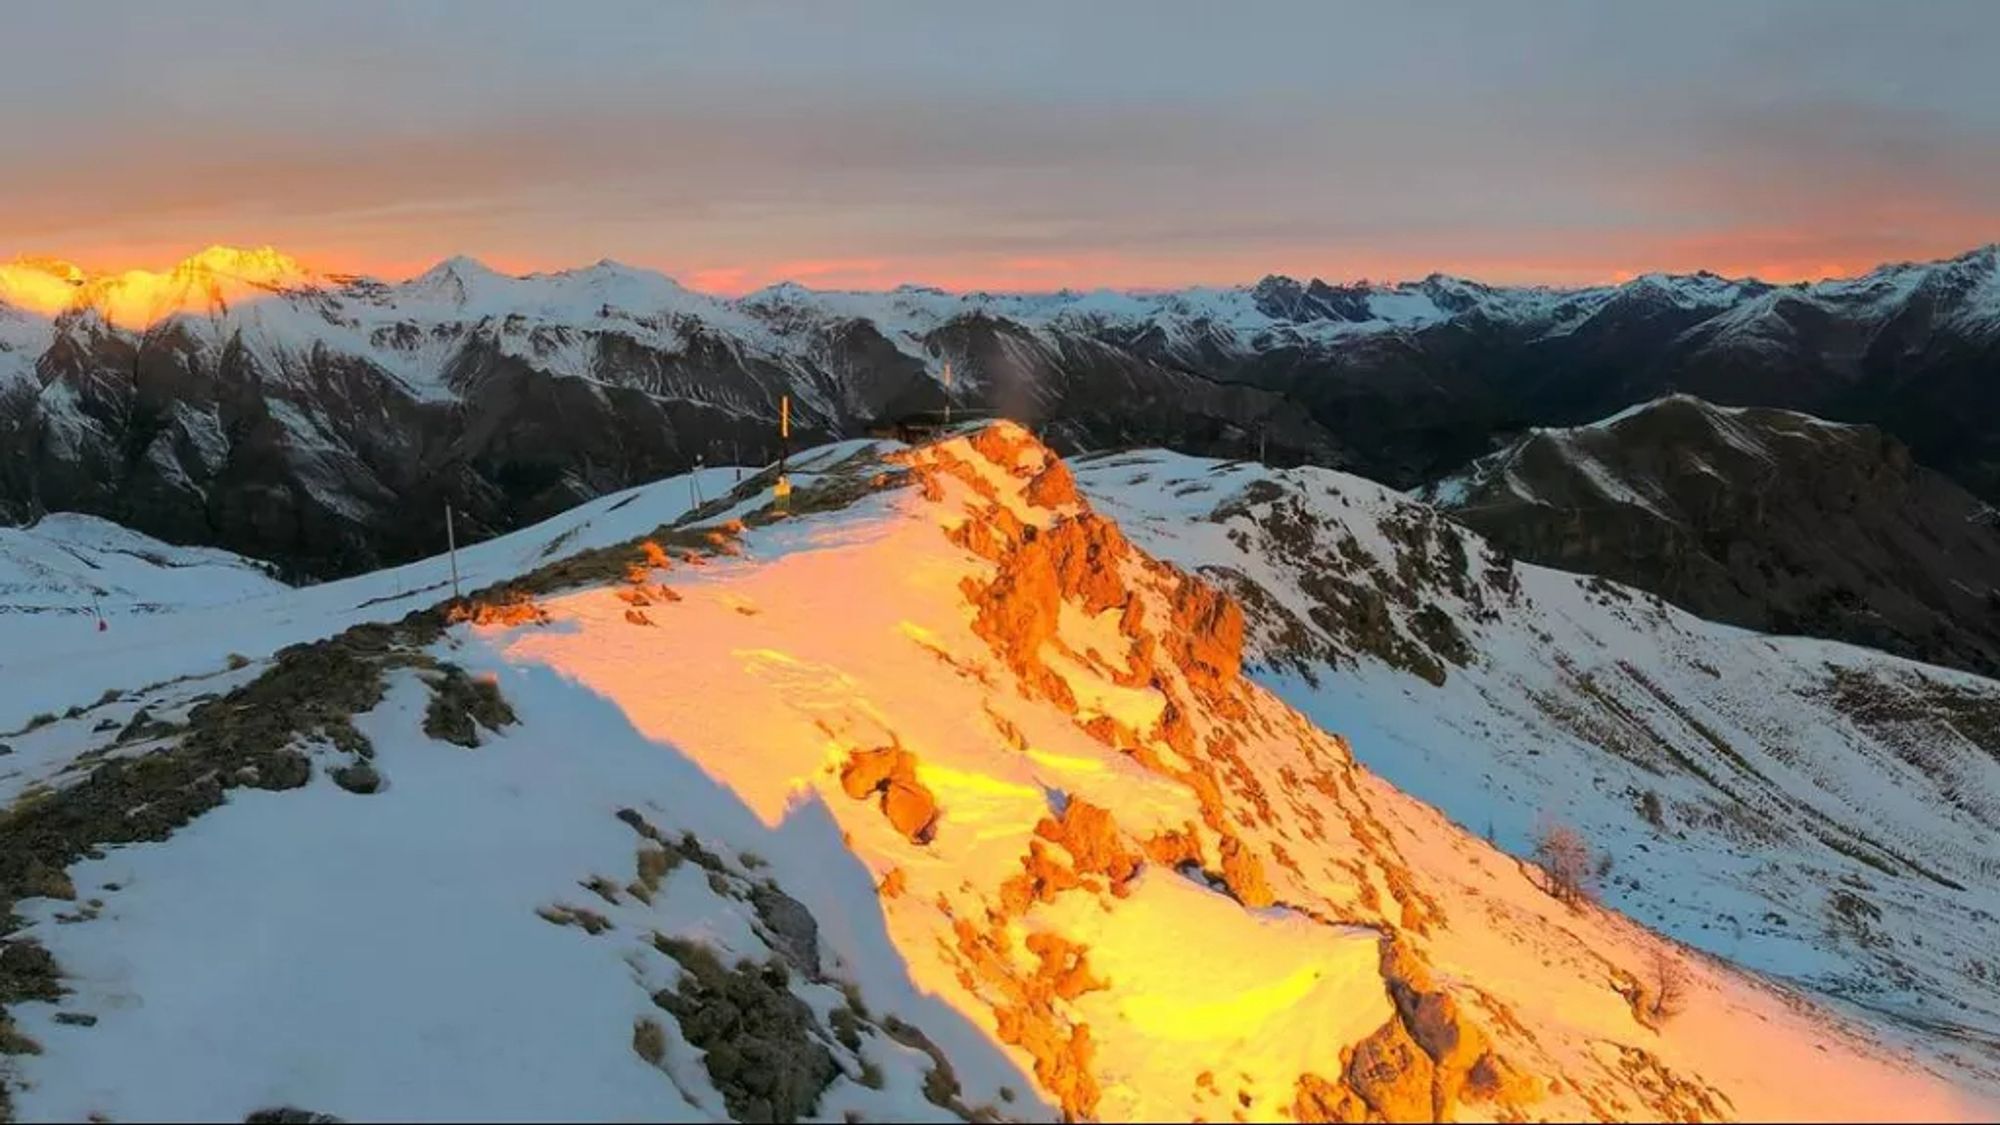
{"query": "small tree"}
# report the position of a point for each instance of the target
(1666, 993)
(1566, 862)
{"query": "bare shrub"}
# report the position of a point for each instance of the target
(1664, 986)
(1566, 861)
(1651, 810)
(649, 1041)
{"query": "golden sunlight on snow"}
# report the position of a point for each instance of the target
(1165, 892)
(210, 281)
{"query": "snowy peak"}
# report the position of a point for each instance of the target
(263, 266)
(206, 283)
(147, 387)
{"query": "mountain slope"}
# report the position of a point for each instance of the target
(1814, 811)
(935, 799)
(1772, 520)
(244, 401)
(67, 563)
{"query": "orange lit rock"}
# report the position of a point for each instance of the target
(1090, 835)
(1244, 873)
(1174, 848)
(894, 884)
(911, 810)
(1062, 1061)
(1317, 1100)
(1002, 444)
(892, 771)
(1053, 487)
(508, 609)
(867, 771)
(1065, 966)
(1392, 1074)
(1206, 638)
(1087, 552)
(1042, 878)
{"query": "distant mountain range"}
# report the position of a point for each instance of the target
(241, 400)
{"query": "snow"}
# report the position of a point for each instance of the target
(186, 616)
(1578, 702)
(556, 322)
(365, 956)
(64, 561)
(436, 992)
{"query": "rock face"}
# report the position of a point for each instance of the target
(1762, 518)
(244, 402)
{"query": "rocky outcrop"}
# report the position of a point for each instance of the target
(891, 773)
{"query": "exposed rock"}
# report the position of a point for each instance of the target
(460, 705)
(793, 930)
(1244, 873)
(290, 1115)
(1315, 1099)
(760, 1042)
(1053, 487)
(1392, 1074)
(360, 777)
(868, 771)
(911, 810)
(1090, 835)
(27, 972)
(906, 802)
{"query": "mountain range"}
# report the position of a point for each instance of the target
(244, 401)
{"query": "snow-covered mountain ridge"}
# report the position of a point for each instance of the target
(243, 400)
(208, 284)
(938, 798)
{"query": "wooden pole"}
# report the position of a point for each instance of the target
(451, 545)
(783, 492)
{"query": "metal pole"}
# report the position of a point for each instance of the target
(451, 545)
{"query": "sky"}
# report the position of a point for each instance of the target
(1021, 145)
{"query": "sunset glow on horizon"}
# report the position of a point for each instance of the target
(734, 146)
(1047, 275)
